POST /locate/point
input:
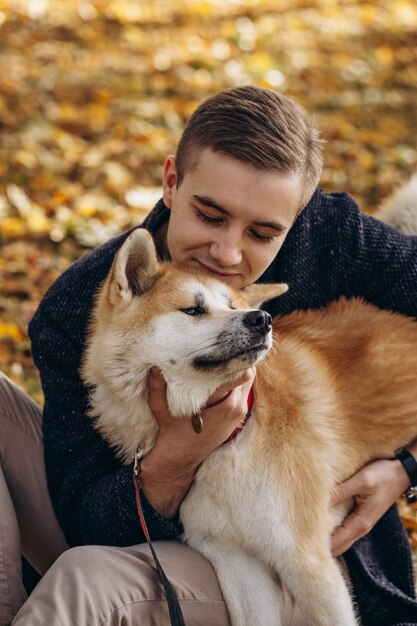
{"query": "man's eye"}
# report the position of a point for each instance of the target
(194, 310)
(208, 219)
(260, 237)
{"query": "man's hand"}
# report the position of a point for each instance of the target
(169, 468)
(219, 421)
(374, 489)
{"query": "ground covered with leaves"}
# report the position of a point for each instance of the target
(94, 94)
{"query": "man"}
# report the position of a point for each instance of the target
(240, 202)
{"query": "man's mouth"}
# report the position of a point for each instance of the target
(219, 274)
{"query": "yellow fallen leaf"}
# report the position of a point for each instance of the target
(37, 221)
(366, 159)
(384, 54)
(9, 330)
(12, 227)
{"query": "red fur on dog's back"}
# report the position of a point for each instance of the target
(347, 377)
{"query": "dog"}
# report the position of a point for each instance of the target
(334, 389)
(399, 210)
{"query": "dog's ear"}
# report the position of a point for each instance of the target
(135, 268)
(258, 293)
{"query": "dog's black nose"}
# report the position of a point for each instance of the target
(260, 320)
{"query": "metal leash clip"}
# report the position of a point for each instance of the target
(137, 458)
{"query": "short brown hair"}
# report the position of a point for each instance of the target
(257, 126)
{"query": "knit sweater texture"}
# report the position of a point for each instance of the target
(332, 250)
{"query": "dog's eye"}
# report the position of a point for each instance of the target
(194, 310)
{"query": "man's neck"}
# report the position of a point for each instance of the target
(160, 238)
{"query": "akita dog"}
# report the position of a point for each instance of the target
(337, 389)
(400, 210)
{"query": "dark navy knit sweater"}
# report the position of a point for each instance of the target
(332, 250)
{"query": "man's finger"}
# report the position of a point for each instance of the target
(157, 390)
(341, 541)
(247, 376)
(354, 527)
(349, 488)
(156, 380)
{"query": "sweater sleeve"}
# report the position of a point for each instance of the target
(92, 492)
(381, 264)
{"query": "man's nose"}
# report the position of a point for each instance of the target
(226, 251)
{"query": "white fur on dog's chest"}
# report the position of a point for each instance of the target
(231, 483)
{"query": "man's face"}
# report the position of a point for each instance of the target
(227, 217)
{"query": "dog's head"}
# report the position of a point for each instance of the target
(196, 329)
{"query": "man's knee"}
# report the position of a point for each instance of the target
(82, 562)
(113, 569)
(111, 586)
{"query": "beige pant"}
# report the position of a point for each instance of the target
(88, 585)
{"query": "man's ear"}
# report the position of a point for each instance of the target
(258, 293)
(135, 268)
(169, 181)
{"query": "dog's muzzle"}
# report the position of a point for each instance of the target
(246, 338)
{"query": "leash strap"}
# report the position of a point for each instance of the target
(175, 612)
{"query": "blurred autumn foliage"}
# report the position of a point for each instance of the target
(94, 94)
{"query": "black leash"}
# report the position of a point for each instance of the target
(175, 612)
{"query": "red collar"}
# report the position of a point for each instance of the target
(243, 422)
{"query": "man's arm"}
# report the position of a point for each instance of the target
(91, 491)
(384, 268)
(385, 273)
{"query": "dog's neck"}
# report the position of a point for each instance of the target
(125, 418)
(124, 421)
